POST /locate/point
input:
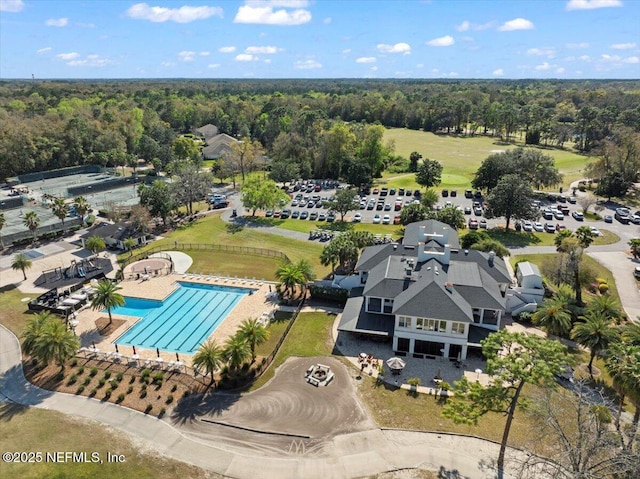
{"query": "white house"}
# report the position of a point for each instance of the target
(426, 295)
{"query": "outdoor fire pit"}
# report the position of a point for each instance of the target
(319, 375)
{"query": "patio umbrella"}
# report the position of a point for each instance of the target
(396, 364)
(117, 349)
(158, 352)
(93, 344)
(177, 357)
(134, 350)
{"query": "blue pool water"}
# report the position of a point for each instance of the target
(182, 321)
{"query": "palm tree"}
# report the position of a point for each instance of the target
(2, 223)
(585, 236)
(307, 273)
(290, 276)
(595, 333)
(82, 206)
(236, 351)
(330, 257)
(94, 244)
(634, 244)
(254, 333)
(554, 317)
(631, 333)
(60, 209)
(129, 244)
(606, 305)
(32, 221)
(20, 261)
(623, 364)
(209, 357)
(33, 330)
(56, 342)
(107, 297)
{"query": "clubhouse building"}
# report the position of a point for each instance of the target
(426, 294)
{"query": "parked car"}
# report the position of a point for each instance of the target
(572, 200)
(304, 214)
(477, 211)
(357, 218)
(549, 228)
(578, 216)
(595, 231)
(608, 219)
(559, 215)
(473, 224)
(400, 191)
(268, 213)
(453, 193)
(527, 226)
(636, 272)
(408, 192)
(483, 223)
(547, 214)
(623, 215)
(295, 214)
(376, 219)
(445, 193)
(285, 214)
(392, 191)
(396, 220)
(467, 210)
(468, 194)
(386, 220)
(387, 206)
(635, 219)
(537, 226)
(313, 216)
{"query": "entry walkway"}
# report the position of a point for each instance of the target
(345, 456)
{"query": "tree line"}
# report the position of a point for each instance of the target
(54, 124)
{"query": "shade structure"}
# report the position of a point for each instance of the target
(396, 363)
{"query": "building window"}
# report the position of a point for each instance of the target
(403, 344)
(404, 322)
(420, 323)
(435, 325)
(375, 305)
(457, 328)
(388, 306)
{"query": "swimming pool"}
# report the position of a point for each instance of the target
(182, 321)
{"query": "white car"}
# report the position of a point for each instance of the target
(386, 220)
(595, 231)
(527, 226)
(538, 227)
(357, 218)
(376, 219)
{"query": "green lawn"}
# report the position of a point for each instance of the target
(601, 271)
(31, 430)
(309, 336)
(212, 229)
(305, 226)
(461, 156)
(14, 311)
(513, 238)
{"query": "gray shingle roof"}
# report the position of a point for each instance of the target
(218, 146)
(356, 320)
(430, 298)
(497, 268)
(207, 131)
(412, 232)
(117, 231)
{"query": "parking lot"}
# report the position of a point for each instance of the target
(311, 201)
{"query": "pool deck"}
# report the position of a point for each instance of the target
(158, 288)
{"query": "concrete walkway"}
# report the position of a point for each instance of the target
(344, 456)
(181, 261)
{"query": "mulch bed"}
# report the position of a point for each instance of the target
(104, 328)
(132, 390)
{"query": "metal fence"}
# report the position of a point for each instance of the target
(270, 253)
(42, 230)
(271, 357)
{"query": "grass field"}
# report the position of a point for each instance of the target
(304, 226)
(461, 156)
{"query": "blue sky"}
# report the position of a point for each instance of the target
(320, 39)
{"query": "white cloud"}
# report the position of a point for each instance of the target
(184, 14)
(186, 56)
(267, 50)
(374, 68)
(623, 46)
(585, 58)
(246, 57)
(327, 20)
(366, 60)
(67, 56)
(57, 22)
(560, 70)
(516, 24)
(307, 65)
(577, 46)
(402, 47)
(464, 26)
(498, 72)
(543, 66)
(42, 51)
(167, 64)
(204, 54)
(229, 49)
(548, 52)
(13, 6)
(592, 4)
(445, 41)
(213, 65)
(346, 51)
(263, 13)
(631, 60)
(267, 60)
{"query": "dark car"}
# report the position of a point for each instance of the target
(285, 214)
(445, 193)
(608, 219)
(408, 192)
(478, 194)
(392, 192)
(623, 215)
(468, 194)
(331, 217)
(295, 214)
(304, 214)
(453, 193)
(313, 216)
